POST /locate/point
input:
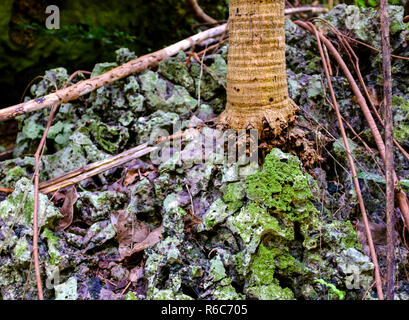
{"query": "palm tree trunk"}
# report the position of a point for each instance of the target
(256, 74)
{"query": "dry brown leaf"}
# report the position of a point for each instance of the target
(133, 235)
(136, 274)
(67, 209)
(153, 238)
(131, 176)
(129, 230)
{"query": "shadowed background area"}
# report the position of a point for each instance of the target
(90, 31)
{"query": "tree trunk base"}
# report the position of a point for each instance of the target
(276, 118)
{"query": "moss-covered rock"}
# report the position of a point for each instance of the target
(67, 290)
(96, 206)
(401, 120)
(176, 71)
(18, 207)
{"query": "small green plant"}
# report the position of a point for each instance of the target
(332, 289)
(371, 177)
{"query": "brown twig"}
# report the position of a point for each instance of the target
(361, 42)
(352, 166)
(401, 196)
(390, 183)
(126, 288)
(37, 156)
(355, 62)
(6, 190)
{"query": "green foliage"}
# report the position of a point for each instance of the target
(371, 176)
(332, 288)
(85, 32)
(374, 3)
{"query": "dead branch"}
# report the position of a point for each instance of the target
(305, 9)
(86, 86)
(200, 13)
(378, 279)
(93, 169)
(390, 183)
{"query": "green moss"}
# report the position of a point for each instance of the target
(52, 242)
(281, 186)
(168, 294)
(13, 175)
(270, 292)
(401, 119)
(131, 296)
(252, 222)
(101, 68)
(217, 271)
(49, 235)
(263, 266)
(21, 251)
(175, 70)
(227, 293)
(268, 260)
(233, 196)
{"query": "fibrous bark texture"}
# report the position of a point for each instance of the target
(256, 74)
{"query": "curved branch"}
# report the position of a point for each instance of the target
(200, 13)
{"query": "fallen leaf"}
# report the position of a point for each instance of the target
(131, 176)
(67, 209)
(134, 171)
(132, 235)
(136, 274)
(153, 238)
